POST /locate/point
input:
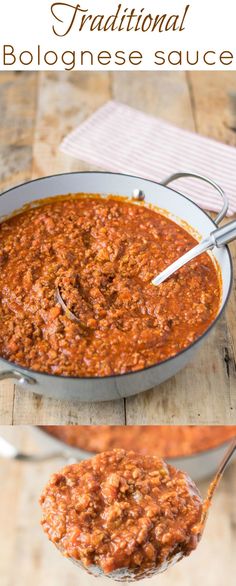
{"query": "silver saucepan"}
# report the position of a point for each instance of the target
(183, 211)
(199, 465)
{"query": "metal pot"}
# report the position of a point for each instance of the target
(199, 466)
(182, 210)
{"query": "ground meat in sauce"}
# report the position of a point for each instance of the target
(122, 511)
(102, 254)
(169, 441)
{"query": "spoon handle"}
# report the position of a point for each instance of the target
(218, 238)
(225, 234)
(205, 244)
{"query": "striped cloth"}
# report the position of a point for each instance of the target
(119, 138)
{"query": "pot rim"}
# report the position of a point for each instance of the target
(152, 366)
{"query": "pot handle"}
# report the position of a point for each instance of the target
(225, 206)
(22, 379)
(10, 452)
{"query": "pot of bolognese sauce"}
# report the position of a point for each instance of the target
(195, 449)
(80, 318)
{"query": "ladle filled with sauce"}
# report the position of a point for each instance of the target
(125, 515)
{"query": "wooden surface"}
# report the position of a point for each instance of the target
(37, 111)
(28, 558)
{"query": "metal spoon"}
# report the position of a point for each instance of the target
(218, 238)
(69, 313)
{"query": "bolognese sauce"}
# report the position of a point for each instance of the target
(101, 254)
(125, 514)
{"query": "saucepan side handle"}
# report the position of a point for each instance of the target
(225, 206)
(22, 379)
(9, 451)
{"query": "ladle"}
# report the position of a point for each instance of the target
(69, 313)
(219, 237)
(127, 575)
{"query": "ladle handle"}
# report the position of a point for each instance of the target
(214, 484)
(180, 175)
(222, 466)
(224, 234)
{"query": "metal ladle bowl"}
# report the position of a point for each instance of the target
(128, 575)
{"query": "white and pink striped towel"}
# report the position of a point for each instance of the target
(119, 138)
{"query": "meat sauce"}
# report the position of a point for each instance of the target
(157, 440)
(126, 515)
(102, 255)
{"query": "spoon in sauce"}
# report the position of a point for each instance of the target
(218, 238)
(84, 328)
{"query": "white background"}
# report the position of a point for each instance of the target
(210, 25)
